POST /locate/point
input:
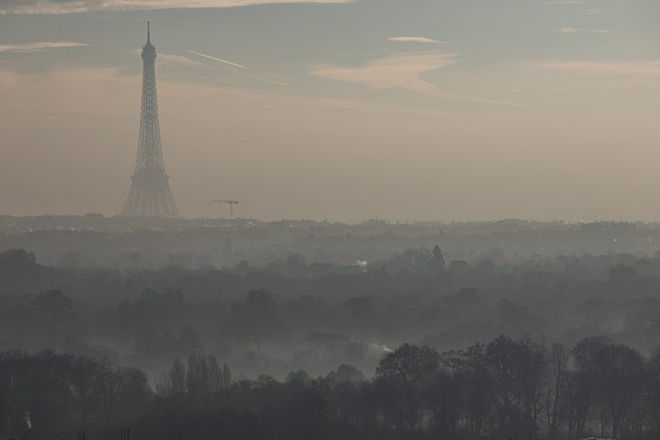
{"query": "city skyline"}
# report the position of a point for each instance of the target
(339, 110)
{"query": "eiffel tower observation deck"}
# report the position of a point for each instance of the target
(150, 194)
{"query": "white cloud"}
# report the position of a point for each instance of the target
(397, 71)
(405, 72)
(78, 6)
(39, 46)
(602, 68)
(570, 30)
(422, 40)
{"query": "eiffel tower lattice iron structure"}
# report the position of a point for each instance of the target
(150, 194)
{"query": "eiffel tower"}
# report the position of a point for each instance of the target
(150, 194)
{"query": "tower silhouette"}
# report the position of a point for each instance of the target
(150, 194)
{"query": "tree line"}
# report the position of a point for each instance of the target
(508, 388)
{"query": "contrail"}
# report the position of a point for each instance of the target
(220, 60)
(488, 101)
(281, 83)
(242, 67)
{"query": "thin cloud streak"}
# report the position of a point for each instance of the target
(39, 46)
(601, 68)
(480, 100)
(570, 30)
(594, 11)
(53, 7)
(565, 2)
(270, 81)
(168, 59)
(422, 40)
(220, 60)
(358, 55)
(242, 69)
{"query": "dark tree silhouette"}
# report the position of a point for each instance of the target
(255, 320)
(407, 373)
(436, 264)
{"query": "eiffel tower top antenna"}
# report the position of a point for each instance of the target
(148, 33)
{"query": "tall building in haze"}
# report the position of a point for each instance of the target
(150, 194)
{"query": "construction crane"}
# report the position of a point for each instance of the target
(231, 204)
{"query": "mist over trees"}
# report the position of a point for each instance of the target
(272, 319)
(419, 344)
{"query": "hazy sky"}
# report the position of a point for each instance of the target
(397, 109)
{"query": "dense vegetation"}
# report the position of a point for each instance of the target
(506, 388)
(207, 352)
